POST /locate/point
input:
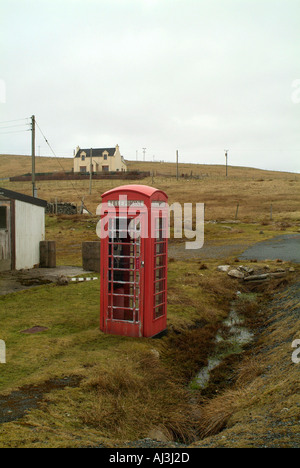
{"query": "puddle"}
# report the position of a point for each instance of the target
(233, 336)
(15, 405)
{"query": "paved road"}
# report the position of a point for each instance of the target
(208, 251)
(286, 248)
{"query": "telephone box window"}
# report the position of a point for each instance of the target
(160, 265)
(124, 255)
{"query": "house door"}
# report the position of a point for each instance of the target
(125, 279)
(5, 236)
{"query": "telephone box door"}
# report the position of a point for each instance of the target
(122, 296)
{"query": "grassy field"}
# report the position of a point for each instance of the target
(117, 390)
(254, 190)
(13, 165)
(128, 389)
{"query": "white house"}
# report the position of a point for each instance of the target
(22, 227)
(103, 160)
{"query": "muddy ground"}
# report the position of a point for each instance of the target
(14, 281)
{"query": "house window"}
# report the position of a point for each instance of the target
(105, 168)
(105, 157)
(82, 169)
(3, 224)
(82, 157)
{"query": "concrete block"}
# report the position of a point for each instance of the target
(91, 256)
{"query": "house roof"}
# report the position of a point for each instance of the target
(9, 194)
(96, 152)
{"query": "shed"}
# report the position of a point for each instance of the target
(22, 228)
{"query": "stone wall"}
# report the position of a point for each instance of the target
(61, 208)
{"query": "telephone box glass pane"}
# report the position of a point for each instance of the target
(123, 269)
(160, 262)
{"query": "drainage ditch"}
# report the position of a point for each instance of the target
(231, 339)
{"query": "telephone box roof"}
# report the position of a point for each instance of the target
(138, 189)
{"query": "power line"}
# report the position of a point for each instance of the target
(15, 120)
(13, 126)
(15, 131)
(53, 152)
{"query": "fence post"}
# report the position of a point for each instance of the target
(271, 212)
(237, 211)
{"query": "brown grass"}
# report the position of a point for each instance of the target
(128, 401)
(13, 165)
(217, 412)
(255, 190)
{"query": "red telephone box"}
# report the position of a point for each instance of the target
(134, 253)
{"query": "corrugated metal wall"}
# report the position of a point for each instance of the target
(30, 230)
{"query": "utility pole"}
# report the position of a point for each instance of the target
(177, 165)
(91, 170)
(34, 194)
(226, 156)
(144, 151)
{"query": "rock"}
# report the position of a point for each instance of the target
(246, 269)
(155, 353)
(224, 268)
(236, 274)
(257, 277)
(62, 281)
(160, 434)
(278, 275)
(292, 270)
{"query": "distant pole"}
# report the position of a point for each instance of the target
(144, 151)
(33, 154)
(177, 174)
(271, 212)
(237, 211)
(91, 170)
(226, 156)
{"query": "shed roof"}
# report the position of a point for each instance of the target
(138, 189)
(9, 194)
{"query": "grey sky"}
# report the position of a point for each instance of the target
(199, 76)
